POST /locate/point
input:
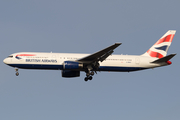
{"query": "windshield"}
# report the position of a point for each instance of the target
(10, 56)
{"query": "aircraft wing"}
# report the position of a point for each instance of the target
(100, 55)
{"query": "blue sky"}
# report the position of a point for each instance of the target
(87, 27)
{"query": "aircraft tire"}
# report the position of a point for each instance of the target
(87, 74)
(86, 79)
(17, 73)
(92, 73)
(90, 77)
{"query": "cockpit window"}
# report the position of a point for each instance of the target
(10, 56)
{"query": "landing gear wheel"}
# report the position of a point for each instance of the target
(86, 79)
(16, 70)
(90, 77)
(87, 74)
(92, 73)
(17, 74)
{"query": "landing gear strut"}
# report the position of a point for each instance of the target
(16, 70)
(90, 69)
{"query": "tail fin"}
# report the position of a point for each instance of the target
(160, 48)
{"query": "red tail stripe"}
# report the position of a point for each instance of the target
(168, 38)
(154, 54)
(25, 55)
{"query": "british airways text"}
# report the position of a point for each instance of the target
(42, 60)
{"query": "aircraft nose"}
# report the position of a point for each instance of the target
(5, 61)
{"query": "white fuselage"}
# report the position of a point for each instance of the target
(71, 64)
(55, 61)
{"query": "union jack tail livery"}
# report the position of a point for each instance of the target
(160, 48)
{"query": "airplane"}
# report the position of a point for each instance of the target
(72, 64)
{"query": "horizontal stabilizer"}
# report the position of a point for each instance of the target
(164, 59)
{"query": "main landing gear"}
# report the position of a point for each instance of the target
(16, 70)
(90, 69)
(89, 76)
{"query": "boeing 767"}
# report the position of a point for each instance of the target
(71, 64)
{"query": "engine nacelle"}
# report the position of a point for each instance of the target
(71, 65)
(70, 73)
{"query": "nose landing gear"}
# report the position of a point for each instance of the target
(16, 70)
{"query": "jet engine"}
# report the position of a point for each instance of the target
(71, 65)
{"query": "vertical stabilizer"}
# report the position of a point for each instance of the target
(160, 48)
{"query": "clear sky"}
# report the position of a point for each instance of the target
(83, 26)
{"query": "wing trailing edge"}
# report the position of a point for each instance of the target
(100, 55)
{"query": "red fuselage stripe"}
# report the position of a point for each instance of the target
(25, 55)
